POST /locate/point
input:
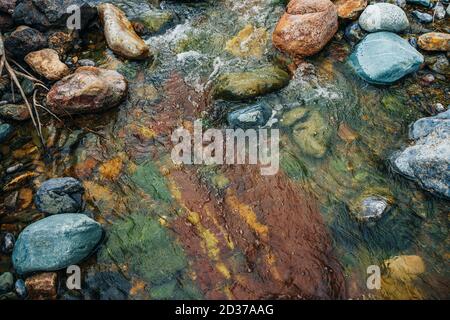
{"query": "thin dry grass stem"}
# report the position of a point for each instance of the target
(15, 81)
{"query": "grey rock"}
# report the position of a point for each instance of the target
(427, 162)
(250, 117)
(6, 282)
(422, 17)
(425, 126)
(401, 3)
(384, 57)
(24, 40)
(59, 195)
(86, 63)
(439, 11)
(56, 242)
(383, 17)
(43, 14)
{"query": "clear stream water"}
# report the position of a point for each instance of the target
(224, 231)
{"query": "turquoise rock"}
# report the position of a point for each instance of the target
(55, 243)
(5, 131)
(383, 17)
(384, 57)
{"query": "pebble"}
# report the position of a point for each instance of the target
(59, 195)
(21, 289)
(6, 282)
(422, 17)
(42, 286)
(7, 243)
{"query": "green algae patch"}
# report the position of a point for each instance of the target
(144, 248)
(149, 178)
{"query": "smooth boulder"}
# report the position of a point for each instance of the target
(120, 34)
(55, 243)
(306, 27)
(59, 195)
(383, 17)
(87, 90)
(384, 57)
(46, 63)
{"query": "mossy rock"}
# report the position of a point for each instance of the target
(156, 20)
(142, 244)
(312, 135)
(149, 178)
(238, 86)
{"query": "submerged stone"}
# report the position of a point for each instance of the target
(384, 57)
(250, 117)
(156, 20)
(246, 85)
(310, 131)
(56, 242)
(59, 195)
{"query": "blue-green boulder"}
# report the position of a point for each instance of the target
(56, 242)
(384, 57)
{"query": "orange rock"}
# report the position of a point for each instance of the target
(434, 41)
(42, 286)
(46, 63)
(306, 27)
(350, 9)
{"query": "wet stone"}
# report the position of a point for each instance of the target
(384, 57)
(42, 286)
(60, 195)
(24, 40)
(56, 242)
(20, 288)
(6, 131)
(373, 207)
(7, 241)
(251, 84)
(424, 3)
(354, 33)
(6, 282)
(17, 112)
(422, 17)
(250, 117)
